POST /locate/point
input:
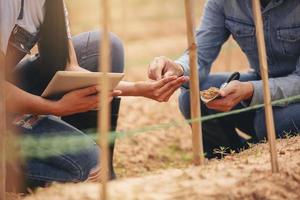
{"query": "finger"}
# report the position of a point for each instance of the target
(91, 100)
(224, 104)
(175, 87)
(87, 91)
(168, 94)
(179, 81)
(229, 89)
(170, 73)
(164, 81)
(116, 93)
(156, 68)
(165, 95)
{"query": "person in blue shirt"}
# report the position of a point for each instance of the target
(221, 19)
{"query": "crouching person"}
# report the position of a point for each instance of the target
(220, 20)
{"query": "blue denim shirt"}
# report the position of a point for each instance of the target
(281, 18)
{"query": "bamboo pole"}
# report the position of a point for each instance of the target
(265, 77)
(2, 131)
(194, 85)
(103, 124)
(2, 126)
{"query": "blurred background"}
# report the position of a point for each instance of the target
(150, 28)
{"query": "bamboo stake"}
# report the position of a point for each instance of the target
(2, 127)
(194, 85)
(103, 124)
(265, 77)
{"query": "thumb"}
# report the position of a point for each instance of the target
(224, 92)
(169, 73)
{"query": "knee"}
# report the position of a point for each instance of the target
(184, 103)
(284, 120)
(91, 41)
(117, 54)
(86, 161)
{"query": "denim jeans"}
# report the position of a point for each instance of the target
(221, 132)
(77, 166)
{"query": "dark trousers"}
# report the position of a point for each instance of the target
(221, 132)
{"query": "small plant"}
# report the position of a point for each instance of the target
(223, 151)
(250, 145)
(287, 135)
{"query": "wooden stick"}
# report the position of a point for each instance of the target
(265, 77)
(103, 122)
(194, 85)
(2, 126)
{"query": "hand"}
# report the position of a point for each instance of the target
(161, 90)
(162, 67)
(232, 94)
(79, 101)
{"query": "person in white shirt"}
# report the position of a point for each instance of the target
(25, 23)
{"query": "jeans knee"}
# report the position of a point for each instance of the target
(286, 121)
(184, 103)
(87, 49)
(86, 162)
(117, 54)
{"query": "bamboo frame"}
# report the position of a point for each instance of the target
(198, 154)
(2, 132)
(2, 127)
(265, 77)
(103, 122)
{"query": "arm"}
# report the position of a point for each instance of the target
(210, 37)
(280, 88)
(85, 99)
(26, 103)
(252, 91)
(160, 90)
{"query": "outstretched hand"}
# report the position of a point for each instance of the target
(161, 90)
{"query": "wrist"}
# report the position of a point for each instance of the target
(180, 69)
(53, 108)
(137, 88)
(249, 90)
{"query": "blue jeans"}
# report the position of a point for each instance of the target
(73, 167)
(221, 132)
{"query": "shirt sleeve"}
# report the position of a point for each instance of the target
(280, 88)
(67, 21)
(210, 37)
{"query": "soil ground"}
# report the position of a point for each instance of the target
(239, 176)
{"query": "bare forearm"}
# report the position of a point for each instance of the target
(128, 88)
(26, 103)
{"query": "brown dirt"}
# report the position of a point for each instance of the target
(239, 176)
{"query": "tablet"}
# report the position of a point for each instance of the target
(67, 81)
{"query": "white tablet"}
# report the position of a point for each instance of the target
(67, 81)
